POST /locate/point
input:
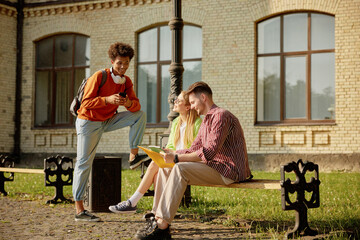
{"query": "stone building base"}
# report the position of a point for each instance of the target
(258, 162)
(326, 162)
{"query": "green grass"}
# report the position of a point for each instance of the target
(249, 210)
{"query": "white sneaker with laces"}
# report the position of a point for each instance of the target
(123, 207)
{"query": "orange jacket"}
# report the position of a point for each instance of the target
(93, 106)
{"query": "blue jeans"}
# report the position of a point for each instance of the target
(88, 136)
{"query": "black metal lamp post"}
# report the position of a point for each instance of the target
(176, 69)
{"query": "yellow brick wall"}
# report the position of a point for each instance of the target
(228, 66)
(344, 136)
(7, 76)
(95, 20)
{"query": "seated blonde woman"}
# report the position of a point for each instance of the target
(183, 132)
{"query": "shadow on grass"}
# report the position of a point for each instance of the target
(331, 229)
(213, 233)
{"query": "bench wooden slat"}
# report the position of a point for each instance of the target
(21, 170)
(252, 184)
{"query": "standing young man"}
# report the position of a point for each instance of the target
(218, 156)
(98, 114)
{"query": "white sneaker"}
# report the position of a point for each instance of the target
(123, 207)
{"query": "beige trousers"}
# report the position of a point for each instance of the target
(171, 185)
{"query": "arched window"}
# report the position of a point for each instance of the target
(62, 61)
(296, 69)
(154, 58)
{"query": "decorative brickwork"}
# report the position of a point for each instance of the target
(8, 11)
(84, 7)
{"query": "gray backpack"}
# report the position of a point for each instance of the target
(76, 102)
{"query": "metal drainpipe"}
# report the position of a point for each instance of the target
(18, 97)
(176, 69)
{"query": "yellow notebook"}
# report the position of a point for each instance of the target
(155, 154)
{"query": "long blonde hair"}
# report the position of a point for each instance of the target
(191, 117)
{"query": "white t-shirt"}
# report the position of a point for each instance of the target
(180, 144)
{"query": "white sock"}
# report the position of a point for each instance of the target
(135, 198)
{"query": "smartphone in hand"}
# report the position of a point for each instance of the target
(123, 94)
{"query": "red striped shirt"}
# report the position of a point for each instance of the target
(221, 145)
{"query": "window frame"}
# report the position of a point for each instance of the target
(53, 71)
(159, 63)
(307, 53)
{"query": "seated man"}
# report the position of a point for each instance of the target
(217, 156)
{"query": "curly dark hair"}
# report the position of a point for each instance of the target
(120, 49)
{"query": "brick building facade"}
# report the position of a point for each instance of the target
(229, 43)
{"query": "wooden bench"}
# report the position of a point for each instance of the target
(61, 167)
(298, 187)
(250, 184)
(10, 178)
(20, 170)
